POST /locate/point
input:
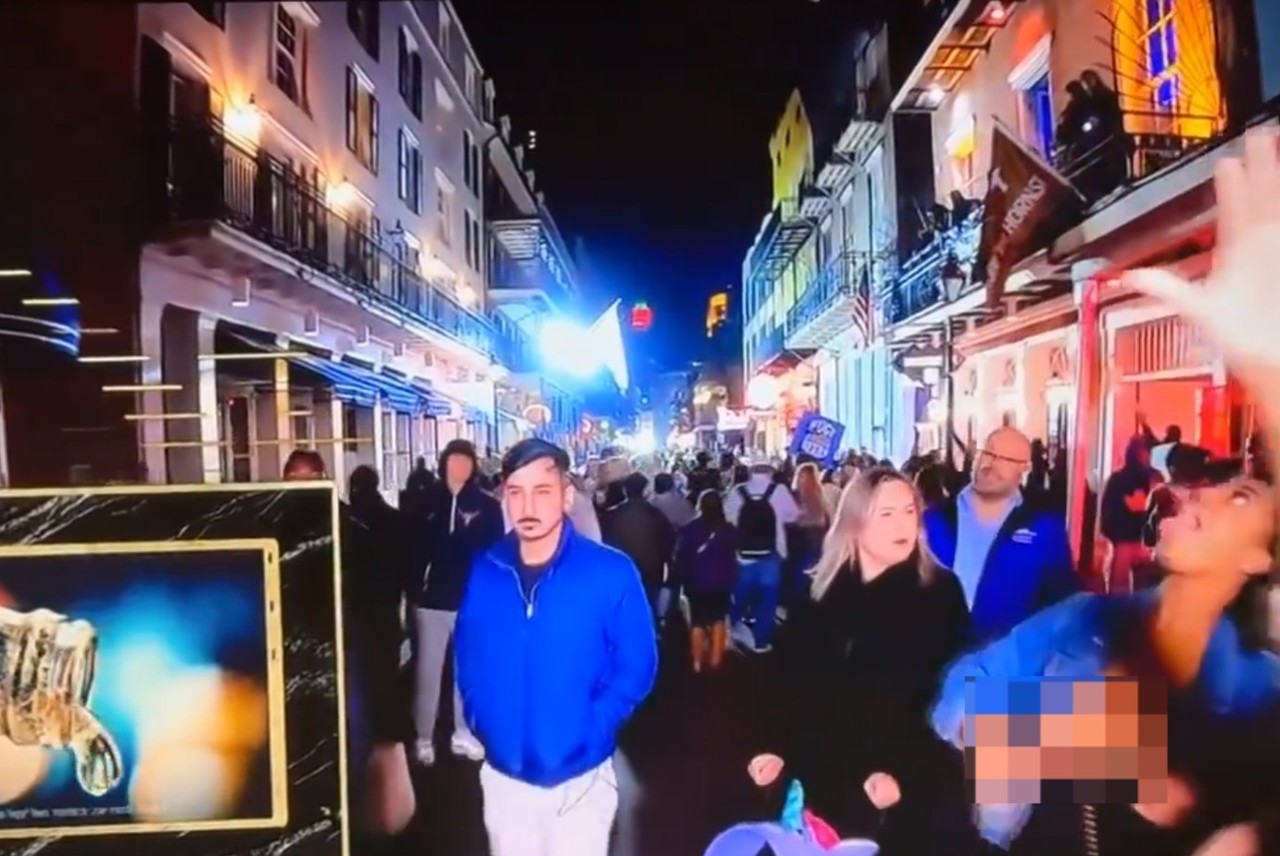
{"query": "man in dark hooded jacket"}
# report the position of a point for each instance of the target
(642, 532)
(462, 523)
(1123, 514)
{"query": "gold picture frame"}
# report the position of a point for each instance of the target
(276, 692)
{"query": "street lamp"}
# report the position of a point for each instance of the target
(953, 280)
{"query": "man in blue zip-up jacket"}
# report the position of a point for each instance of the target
(555, 649)
(1012, 559)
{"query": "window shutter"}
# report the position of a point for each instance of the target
(403, 66)
(373, 133)
(352, 118)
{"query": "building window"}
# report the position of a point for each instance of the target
(362, 17)
(444, 209)
(410, 73)
(214, 13)
(445, 38)
(1035, 115)
(471, 80)
(362, 119)
(1162, 55)
(489, 115)
(961, 146)
(390, 447)
(466, 158)
(471, 164)
(474, 246)
(409, 159)
(288, 58)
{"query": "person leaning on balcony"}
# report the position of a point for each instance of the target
(1012, 557)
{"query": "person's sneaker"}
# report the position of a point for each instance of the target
(741, 636)
(424, 752)
(467, 746)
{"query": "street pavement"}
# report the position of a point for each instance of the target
(681, 771)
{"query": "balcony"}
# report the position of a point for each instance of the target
(783, 235)
(1150, 143)
(529, 263)
(815, 201)
(918, 285)
(871, 107)
(768, 348)
(828, 306)
(295, 238)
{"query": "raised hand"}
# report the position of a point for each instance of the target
(1237, 305)
(765, 769)
(883, 791)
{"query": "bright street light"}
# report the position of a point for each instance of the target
(567, 347)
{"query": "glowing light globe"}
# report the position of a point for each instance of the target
(763, 392)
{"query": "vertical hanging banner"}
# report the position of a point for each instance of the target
(1027, 205)
(819, 437)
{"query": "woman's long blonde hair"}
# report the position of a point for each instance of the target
(807, 486)
(840, 546)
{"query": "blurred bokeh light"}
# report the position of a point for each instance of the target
(180, 686)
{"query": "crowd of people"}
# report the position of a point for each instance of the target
(874, 598)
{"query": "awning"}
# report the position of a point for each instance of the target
(35, 310)
(354, 383)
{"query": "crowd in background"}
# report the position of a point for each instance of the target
(875, 596)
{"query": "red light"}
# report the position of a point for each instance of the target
(996, 12)
(641, 317)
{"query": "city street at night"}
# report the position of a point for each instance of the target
(663, 428)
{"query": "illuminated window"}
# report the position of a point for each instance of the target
(288, 55)
(1162, 55)
(1036, 115)
(362, 119)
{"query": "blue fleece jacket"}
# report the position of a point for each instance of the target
(547, 681)
(1028, 567)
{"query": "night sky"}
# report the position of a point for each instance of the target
(653, 122)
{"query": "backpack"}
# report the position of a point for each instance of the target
(757, 523)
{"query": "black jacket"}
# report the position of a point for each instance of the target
(458, 529)
(377, 575)
(858, 671)
(642, 532)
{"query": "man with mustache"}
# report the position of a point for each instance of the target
(555, 649)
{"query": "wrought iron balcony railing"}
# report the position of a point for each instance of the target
(767, 348)
(839, 279)
(918, 283)
(781, 238)
(212, 178)
(1148, 143)
(536, 270)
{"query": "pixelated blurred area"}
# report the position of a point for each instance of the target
(1056, 740)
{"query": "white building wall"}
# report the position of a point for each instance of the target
(238, 65)
(237, 62)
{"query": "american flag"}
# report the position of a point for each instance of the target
(863, 311)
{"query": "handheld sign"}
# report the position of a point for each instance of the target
(819, 437)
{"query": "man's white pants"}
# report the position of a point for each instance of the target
(572, 819)
(435, 630)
